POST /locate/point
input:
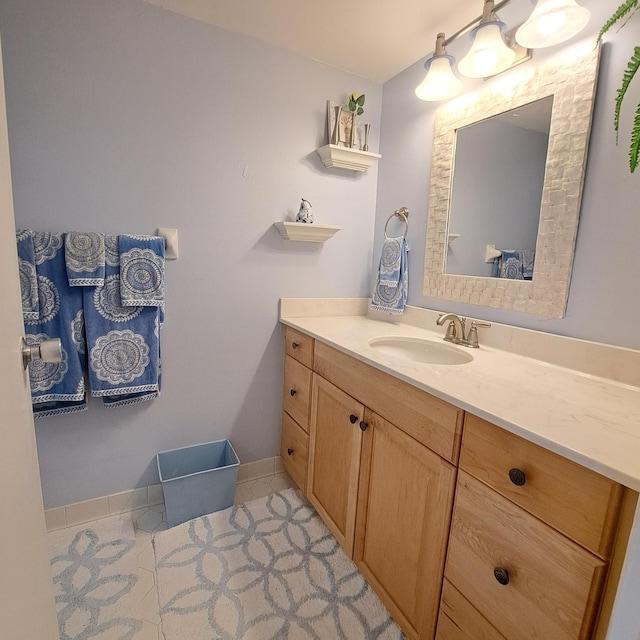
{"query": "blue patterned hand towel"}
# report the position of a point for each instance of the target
(390, 290)
(123, 344)
(517, 264)
(28, 277)
(141, 270)
(56, 388)
(84, 256)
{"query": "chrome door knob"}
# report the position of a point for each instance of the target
(48, 351)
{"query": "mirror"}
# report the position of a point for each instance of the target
(496, 190)
(464, 204)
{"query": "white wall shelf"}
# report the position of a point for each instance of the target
(333, 155)
(305, 232)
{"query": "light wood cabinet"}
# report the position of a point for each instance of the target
(296, 394)
(581, 504)
(530, 540)
(404, 508)
(294, 450)
(380, 488)
(299, 346)
(515, 543)
(548, 583)
(334, 458)
(431, 421)
(296, 404)
(458, 620)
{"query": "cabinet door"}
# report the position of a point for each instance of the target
(405, 503)
(334, 459)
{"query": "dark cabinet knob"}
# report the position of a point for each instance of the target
(289, 451)
(363, 425)
(501, 575)
(517, 476)
(353, 418)
(294, 345)
(292, 392)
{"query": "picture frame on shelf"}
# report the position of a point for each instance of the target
(346, 117)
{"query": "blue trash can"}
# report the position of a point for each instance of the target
(197, 480)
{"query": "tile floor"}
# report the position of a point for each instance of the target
(152, 519)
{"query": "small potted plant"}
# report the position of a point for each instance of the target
(356, 104)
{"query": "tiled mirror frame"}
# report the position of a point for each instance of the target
(571, 79)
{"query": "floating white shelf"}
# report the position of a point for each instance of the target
(333, 155)
(305, 232)
(491, 253)
(451, 237)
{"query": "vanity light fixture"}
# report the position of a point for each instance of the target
(552, 22)
(440, 83)
(489, 53)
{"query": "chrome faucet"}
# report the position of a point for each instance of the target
(456, 330)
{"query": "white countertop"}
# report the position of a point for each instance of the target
(591, 420)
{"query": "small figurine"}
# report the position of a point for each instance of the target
(304, 214)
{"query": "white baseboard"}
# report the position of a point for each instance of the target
(140, 499)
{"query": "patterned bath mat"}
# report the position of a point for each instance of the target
(94, 573)
(268, 569)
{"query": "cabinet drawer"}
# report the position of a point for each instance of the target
(431, 421)
(299, 346)
(296, 391)
(459, 620)
(577, 501)
(554, 585)
(294, 450)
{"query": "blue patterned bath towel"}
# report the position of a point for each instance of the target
(141, 270)
(517, 264)
(392, 279)
(84, 257)
(28, 276)
(56, 387)
(123, 343)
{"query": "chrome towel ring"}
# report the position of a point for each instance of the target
(403, 214)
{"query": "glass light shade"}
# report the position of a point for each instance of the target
(440, 83)
(552, 22)
(489, 53)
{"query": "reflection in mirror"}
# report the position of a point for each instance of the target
(496, 192)
(569, 79)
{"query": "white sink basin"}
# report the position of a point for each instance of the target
(419, 350)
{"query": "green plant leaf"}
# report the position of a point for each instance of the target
(352, 105)
(621, 11)
(360, 111)
(629, 73)
(360, 99)
(634, 149)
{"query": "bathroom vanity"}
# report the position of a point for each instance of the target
(462, 492)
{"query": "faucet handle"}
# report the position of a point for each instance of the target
(451, 335)
(472, 338)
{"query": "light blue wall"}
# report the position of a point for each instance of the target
(124, 117)
(604, 298)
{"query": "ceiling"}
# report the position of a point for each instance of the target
(374, 39)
